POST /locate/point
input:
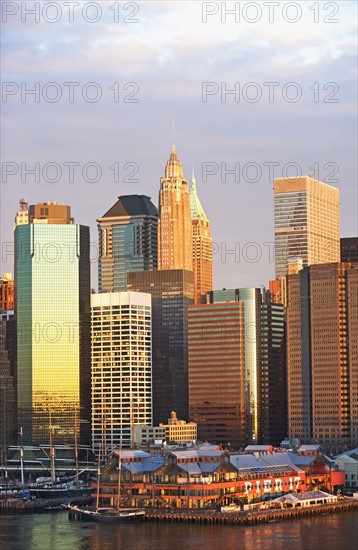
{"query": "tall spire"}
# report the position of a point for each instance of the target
(173, 136)
(195, 204)
(174, 168)
(175, 247)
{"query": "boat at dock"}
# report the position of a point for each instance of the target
(107, 515)
(69, 490)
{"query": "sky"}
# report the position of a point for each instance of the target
(256, 89)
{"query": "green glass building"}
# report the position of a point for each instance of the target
(52, 296)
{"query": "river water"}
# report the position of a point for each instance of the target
(54, 531)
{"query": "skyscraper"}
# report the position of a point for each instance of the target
(322, 348)
(7, 385)
(172, 292)
(217, 372)
(175, 246)
(202, 246)
(263, 345)
(121, 367)
(273, 392)
(127, 241)
(306, 222)
(52, 297)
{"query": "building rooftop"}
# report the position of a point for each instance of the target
(132, 205)
(307, 495)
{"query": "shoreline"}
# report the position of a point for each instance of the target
(200, 517)
(251, 517)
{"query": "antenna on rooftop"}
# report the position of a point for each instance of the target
(173, 133)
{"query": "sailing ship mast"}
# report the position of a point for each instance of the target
(21, 460)
(98, 478)
(76, 448)
(119, 479)
(52, 452)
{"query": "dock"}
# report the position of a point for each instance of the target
(251, 517)
(20, 506)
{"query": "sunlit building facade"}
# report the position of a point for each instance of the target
(261, 348)
(217, 372)
(52, 291)
(322, 355)
(175, 246)
(6, 292)
(306, 222)
(202, 246)
(121, 367)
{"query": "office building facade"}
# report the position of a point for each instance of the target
(322, 356)
(172, 292)
(121, 367)
(273, 383)
(349, 249)
(264, 362)
(7, 385)
(306, 222)
(6, 292)
(217, 372)
(52, 290)
(128, 235)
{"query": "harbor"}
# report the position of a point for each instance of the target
(249, 517)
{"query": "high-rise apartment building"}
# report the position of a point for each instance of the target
(121, 367)
(202, 246)
(306, 222)
(172, 292)
(52, 298)
(175, 242)
(217, 372)
(322, 355)
(128, 235)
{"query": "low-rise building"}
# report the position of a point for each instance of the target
(205, 476)
(348, 463)
(175, 431)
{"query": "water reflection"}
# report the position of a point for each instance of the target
(54, 531)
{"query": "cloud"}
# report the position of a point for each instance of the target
(169, 54)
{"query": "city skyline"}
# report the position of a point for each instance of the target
(170, 71)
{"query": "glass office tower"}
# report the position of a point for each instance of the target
(306, 222)
(264, 379)
(172, 292)
(52, 286)
(127, 241)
